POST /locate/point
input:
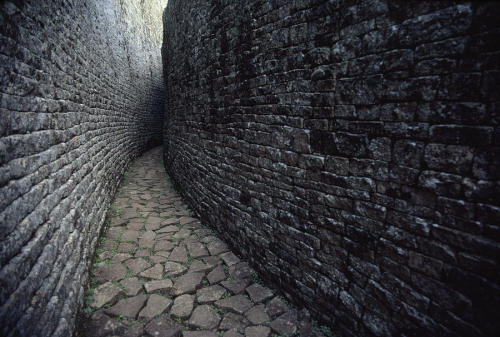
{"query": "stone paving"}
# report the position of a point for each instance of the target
(160, 272)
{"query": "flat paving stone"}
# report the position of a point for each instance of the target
(146, 243)
(179, 254)
(284, 325)
(185, 220)
(197, 249)
(182, 234)
(232, 321)
(257, 331)
(183, 306)
(204, 317)
(204, 333)
(216, 275)
(101, 325)
(126, 247)
(159, 241)
(229, 258)
(148, 235)
(137, 265)
(130, 235)
(111, 272)
(257, 314)
(163, 327)
(236, 286)
(170, 221)
(197, 265)
(128, 307)
(238, 304)
(142, 252)
(164, 245)
(173, 269)
(135, 225)
(276, 307)
(210, 294)
(155, 272)
(106, 293)
(160, 285)
(155, 306)
(240, 271)
(258, 293)
(187, 283)
(232, 333)
(131, 286)
(217, 247)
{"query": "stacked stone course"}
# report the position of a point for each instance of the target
(81, 95)
(349, 150)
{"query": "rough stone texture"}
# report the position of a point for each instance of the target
(155, 306)
(183, 305)
(194, 302)
(81, 95)
(349, 150)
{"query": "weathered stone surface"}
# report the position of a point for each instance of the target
(111, 272)
(155, 272)
(232, 333)
(210, 294)
(232, 321)
(216, 275)
(187, 283)
(237, 303)
(284, 325)
(197, 249)
(161, 285)
(137, 265)
(341, 138)
(240, 271)
(203, 333)
(216, 247)
(120, 257)
(173, 269)
(101, 325)
(130, 235)
(197, 265)
(204, 317)
(276, 307)
(131, 286)
(229, 258)
(164, 327)
(258, 293)
(179, 254)
(164, 245)
(257, 331)
(236, 286)
(257, 315)
(155, 306)
(183, 306)
(128, 307)
(106, 293)
(126, 247)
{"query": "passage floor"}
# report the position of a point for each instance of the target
(160, 272)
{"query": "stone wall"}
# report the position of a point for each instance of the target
(81, 95)
(349, 149)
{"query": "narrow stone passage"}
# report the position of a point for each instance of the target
(160, 272)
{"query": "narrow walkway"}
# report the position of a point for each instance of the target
(160, 272)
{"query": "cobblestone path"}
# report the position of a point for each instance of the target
(160, 272)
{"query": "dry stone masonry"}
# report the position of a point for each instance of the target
(349, 149)
(81, 95)
(160, 272)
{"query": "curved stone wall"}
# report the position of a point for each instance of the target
(81, 95)
(349, 149)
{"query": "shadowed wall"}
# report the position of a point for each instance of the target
(81, 95)
(349, 150)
